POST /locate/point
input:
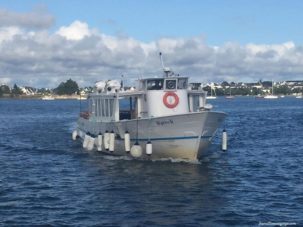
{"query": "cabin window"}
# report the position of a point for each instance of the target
(96, 107)
(195, 103)
(128, 108)
(106, 106)
(182, 83)
(170, 84)
(155, 84)
(111, 107)
(100, 107)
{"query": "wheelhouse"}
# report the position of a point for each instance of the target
(170, 83)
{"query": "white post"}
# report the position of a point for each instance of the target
(191, 103)
(139, 106)
(224, 140)
(116, 108)
(201, 102)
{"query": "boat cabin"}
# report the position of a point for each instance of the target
(154, 97)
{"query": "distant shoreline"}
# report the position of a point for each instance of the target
(56, 97)
(83, 97)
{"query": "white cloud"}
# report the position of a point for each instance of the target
(76, 31)
(7, 33)
(43, 59)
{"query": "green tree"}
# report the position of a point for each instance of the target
(67, 88)
(284, 89)
(16, 90)
(4, 89)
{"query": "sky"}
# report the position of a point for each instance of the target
(43, 43)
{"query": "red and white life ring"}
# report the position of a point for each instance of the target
(170, 99)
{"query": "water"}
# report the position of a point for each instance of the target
(47, 179)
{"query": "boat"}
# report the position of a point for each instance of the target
(81, 98)
(299, 96)
(212, 90)
(230, 96)
(259, 96)
(160, 118)
(271, 96)
(48, 97)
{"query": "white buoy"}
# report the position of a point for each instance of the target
(80, 134)
(149, 148)
(136, 150)
(98, 142)
(75, 135)
(112, 141)
(85, 140)
(106, 140)
(91, 143)
(224, 140)
(127, 142)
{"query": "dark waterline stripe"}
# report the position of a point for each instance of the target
(165, 138)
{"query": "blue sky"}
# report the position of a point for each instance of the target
(43, 43)
(241, 21)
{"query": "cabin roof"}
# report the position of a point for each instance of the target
(159, 78)
(127, 93)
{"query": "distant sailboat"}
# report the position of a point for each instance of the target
(48, 97)
(271, 96)
(212, 88)
(230, 96)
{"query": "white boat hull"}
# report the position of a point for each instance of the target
(271, 97)
(183, 136)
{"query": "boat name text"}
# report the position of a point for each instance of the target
(166, 122)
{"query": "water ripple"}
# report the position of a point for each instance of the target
(46, 179)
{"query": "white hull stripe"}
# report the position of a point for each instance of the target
(171, 138)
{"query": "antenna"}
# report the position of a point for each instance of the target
(161, 59)
(122, 83)
(165, 69)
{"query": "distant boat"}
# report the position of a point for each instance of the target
(230, 96)
(211, 93)
(259, 96)
(299, 97)
(48, 97)
(82, 98)
(211, 97)
(271, 96)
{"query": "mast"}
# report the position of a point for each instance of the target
(165, 69)
(161, 59)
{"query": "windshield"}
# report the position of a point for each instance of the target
(155, 84)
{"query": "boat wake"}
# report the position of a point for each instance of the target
(113, 158)
(177, 160)
(172, 160)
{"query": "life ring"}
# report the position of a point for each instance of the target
(170, 99)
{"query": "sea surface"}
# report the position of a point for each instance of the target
(48, 179)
